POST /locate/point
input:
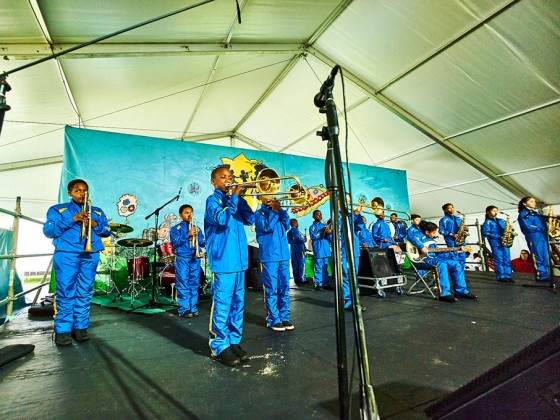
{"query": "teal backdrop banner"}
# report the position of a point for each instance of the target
(130, 176)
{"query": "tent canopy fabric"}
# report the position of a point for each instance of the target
(463, 95)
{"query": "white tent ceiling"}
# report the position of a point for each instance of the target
(463, 95)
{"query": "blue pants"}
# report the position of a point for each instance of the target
(298, 266)
(539, 250)
(447, 269)
(346, 280)
(226, 316)
(187, 281)
(461, 258)
(321, 272)
(276, 284)
(502, 260)
(75, 274)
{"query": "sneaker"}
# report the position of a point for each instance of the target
(62, 339)
(242, 354)
(195, 314)
(186, 314)
(351, 308)
(318, 288)
(278, 327)
(80, 335)
(467, 296)
(288, 325)
(227, 357)
(448, 299)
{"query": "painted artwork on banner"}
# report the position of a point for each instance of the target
(130, 177)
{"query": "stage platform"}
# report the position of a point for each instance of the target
(158, 366)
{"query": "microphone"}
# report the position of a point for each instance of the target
(320, 98)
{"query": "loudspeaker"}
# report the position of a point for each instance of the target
(378, 263)
(524, 386)
(253, 273)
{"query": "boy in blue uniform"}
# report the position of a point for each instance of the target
(184, 239)
(448, 227)
(228, 254)
(297, 250)
(271, 224)
(358, 223)
(321, 238)
(447, 268)
(493, 230)
(414, 236)
(535, 231)
(74, 268)
(400, 228)
(365, 237)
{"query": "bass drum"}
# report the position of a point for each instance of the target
(167, 278)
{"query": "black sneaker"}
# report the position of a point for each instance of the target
(288, 325)
(195, 314)
(242, 354)
(351, 308)
(278, 327)
(318, 288)
(448, 299)
(186, 314)
(62, 339)
(227, 357)
(80, 335)
(467, 296)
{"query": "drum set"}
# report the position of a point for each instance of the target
(139, 254)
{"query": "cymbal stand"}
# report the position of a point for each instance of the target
(134, 281)
(113, 285)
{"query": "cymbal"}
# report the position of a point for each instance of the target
(118, 228)
(134, 242)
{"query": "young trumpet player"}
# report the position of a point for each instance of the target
(187, 239)
(76, 228)
(271, 224)
(493, 230)
(228, 254)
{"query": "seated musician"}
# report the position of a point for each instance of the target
(366, 240)
(382, 234)
(399, 228)
(447, 268)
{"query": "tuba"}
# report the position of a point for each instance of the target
(509, 234)
(463, 231)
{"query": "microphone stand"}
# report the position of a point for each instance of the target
(154, 303)
(335, 186)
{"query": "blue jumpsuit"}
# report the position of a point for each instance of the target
(321, 253)
(366, 238)
(400, 230)
(74, 269)
(297, 250)
(414, 236)
(493, 229)
(274, 253)
(381, 230)
(187, 267)
(448, 225)
(535, 231)
(446, 268)
(228, 255)
(358, 226)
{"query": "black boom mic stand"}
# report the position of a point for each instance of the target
(333, 177)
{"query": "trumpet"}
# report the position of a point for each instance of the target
(268, 183)
(194, 238)
(376, 210)
(85, 229)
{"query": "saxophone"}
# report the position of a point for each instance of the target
(553, 224)
(509, 234)
(463, 231)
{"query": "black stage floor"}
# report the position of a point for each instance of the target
(157, 366)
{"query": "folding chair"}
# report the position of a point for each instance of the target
(423, 271)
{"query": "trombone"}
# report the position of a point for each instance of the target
(376, 210)
(85, 229)
(269, 183)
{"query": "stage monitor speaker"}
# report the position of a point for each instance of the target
(524, 386)
(377, 263)
(253, 274)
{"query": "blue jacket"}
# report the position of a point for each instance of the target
(493, 229)
(181, 241)
(447, 226)
(65, 232)
(358, 225)
(296, 241)
(320, 240)
(531, 222)
(271, 227)
(380, 231)
(400, 230)
(226, 240)
(366, 238)
(414, 236)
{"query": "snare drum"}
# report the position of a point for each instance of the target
(166, 252)
(150, 234)
(138, 268)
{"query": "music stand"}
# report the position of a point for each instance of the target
(154, 303)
